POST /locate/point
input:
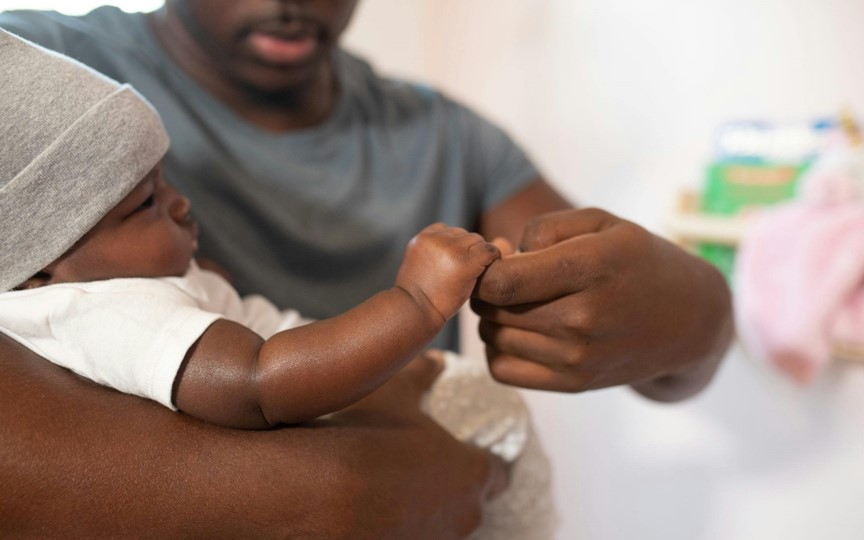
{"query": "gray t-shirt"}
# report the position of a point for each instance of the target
(316, 220)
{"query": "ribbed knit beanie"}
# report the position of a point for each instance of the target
(73, 144)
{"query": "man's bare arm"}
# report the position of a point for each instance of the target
(80, 460)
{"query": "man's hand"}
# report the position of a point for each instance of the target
(446, 481)
(441, 267)
(596, 301)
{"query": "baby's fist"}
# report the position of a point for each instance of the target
(441, 267)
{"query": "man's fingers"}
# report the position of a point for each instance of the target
(517, 371)
(560, 270)
(489, 477)
(504, 246)
(520, 343)
(549, 229)
(499, 477)
(574, 259)
(531, 317)
(488, 250)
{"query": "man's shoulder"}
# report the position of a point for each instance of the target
(106, 26)
(386, 94)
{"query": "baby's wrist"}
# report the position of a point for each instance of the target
(422, 303)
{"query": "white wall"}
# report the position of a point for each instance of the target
(618, 101)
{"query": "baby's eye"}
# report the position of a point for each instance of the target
(145, 204)
(148, 202)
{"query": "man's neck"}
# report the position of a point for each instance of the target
(303, 106)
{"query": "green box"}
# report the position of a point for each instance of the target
(732, 186)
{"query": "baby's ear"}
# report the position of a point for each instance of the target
(39, 279)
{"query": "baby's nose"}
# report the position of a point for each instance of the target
(180, 206)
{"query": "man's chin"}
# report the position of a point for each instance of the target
(281, 85)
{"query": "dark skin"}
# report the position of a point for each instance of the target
(635, 310)
(654, 296)
(108, 464)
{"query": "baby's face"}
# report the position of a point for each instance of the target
(148, 234)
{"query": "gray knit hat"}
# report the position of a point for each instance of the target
(73, 143)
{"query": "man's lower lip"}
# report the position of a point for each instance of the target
(276, 50)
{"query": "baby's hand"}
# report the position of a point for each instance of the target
(441, 267)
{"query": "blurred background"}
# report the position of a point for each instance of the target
(619, 102)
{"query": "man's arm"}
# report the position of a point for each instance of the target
(596, 301)
(77, 459)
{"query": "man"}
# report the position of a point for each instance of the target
(316, 172)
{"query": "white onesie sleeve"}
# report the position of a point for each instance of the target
(255, 312)
(132, 334)
(129, 334)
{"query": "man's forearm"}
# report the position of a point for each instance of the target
(82, 460)
(77, 459)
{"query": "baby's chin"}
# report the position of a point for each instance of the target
(180, 267)
(188, 265)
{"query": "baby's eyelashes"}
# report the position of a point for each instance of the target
(148, 202)
(145, 204)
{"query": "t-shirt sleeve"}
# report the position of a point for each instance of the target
(104, 39)
(132, 338)
(47, 28)
(495, 164)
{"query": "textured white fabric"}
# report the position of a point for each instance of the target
(132, 333)
(478, 410)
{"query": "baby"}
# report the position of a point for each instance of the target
(98, 276)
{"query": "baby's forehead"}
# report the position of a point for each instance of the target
(153, 174)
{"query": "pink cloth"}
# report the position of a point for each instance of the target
(799, 276)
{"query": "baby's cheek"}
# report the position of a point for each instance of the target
(164, 259)
(175, 263)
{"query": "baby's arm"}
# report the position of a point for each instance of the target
(233, 377)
